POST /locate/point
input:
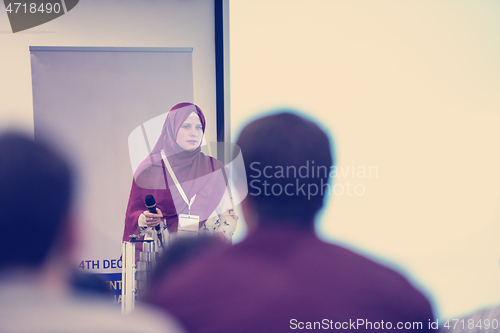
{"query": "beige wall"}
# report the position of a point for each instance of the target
(110, 23)
(156, 23)
(411, 87)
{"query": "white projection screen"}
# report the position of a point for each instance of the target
(92, 99)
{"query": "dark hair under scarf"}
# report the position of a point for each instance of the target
(285, 142)
(36, 191)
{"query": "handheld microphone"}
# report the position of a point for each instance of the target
(151, 205)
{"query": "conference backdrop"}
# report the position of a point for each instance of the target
(92, 99)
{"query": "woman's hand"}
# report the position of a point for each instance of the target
(152, 220)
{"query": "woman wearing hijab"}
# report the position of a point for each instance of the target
(189, 187)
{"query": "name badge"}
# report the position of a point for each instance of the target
(185, 220)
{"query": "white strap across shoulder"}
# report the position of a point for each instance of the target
(179, 187)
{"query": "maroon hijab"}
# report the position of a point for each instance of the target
(177, 156)
(197, 173)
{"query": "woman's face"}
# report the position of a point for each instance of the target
(190, 133)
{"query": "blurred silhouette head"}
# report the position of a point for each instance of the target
(36, 186)
(287, 163)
